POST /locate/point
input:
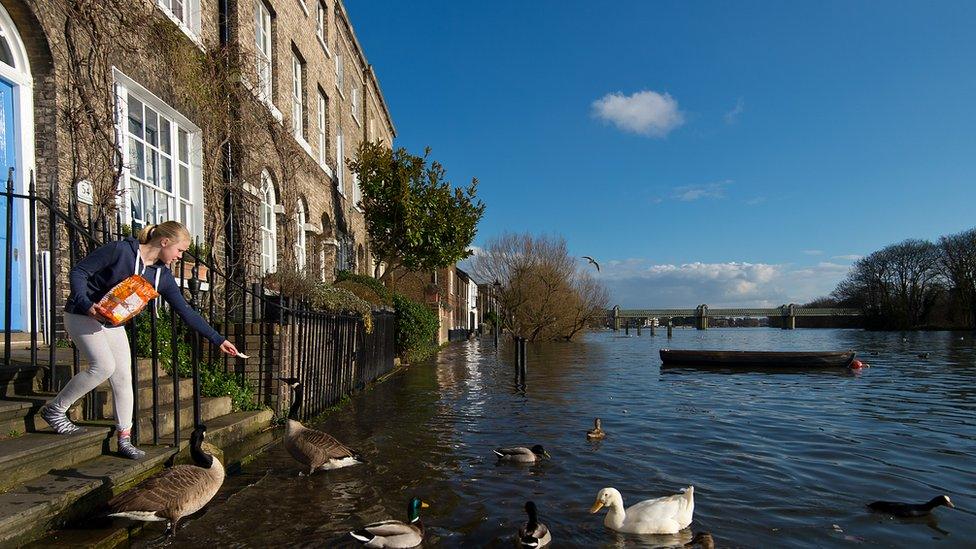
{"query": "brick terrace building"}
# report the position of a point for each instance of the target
(103, 94)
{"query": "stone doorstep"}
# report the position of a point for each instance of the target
(226, 432)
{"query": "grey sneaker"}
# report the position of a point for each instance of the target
(127, 449)
(59, 421)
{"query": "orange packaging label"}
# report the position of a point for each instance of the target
(127, 299)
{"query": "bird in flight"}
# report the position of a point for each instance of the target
(593, 261)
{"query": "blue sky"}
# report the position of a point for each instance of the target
(729, 153)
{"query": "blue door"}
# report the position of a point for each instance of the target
(8, 159)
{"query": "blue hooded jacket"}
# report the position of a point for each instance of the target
(93, 277)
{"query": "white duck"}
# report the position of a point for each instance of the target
(667, 515)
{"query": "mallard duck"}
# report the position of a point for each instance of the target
(394, 533)
(533, 533)
(666, 515)
(521, 454)
(703, 540)
(313, 449)
(596, 433)
(176, 492)
(907, 510)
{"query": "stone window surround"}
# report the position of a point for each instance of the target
(126, 86)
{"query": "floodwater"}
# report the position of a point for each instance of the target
(777, 459)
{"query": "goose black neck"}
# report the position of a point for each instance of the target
(296, 403)
(201, 458)
(533, 519)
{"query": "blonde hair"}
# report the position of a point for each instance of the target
(173, 230)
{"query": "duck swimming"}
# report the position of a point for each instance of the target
(665, 515)
(533, 533)
(908, 510)
(521, 454)
(597, 432)
(394, 533)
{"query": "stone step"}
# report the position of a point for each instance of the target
(241, 432)
(13, 417)
(18, 340)
(31, 509)
(34, 454)
(210, 408)
(19, 379)
(104, 398)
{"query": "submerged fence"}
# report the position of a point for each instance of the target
(332, 354)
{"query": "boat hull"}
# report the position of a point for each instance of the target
(756, 359)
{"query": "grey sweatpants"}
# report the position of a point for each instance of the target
(107, 351)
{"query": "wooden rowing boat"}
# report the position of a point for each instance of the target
(757, 359)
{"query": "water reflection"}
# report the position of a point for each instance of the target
(786, 459)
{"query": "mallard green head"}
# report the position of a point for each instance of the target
(540, 451)
(414, 507)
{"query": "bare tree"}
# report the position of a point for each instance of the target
(957, 259)
(543, 295)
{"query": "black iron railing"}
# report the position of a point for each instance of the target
(331, 353)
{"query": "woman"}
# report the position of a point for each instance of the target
(106, 347)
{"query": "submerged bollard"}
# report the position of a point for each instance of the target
(627, 329)
(670, 328)
(652, 329)
(638, 330)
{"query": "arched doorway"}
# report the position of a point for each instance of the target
(16, 154)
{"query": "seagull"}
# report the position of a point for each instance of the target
(593, 261)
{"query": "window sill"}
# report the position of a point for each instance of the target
(328, 171)
(304, 145)
(266, 102)
(356, 120)
(303, 6)
(338, 89)
(190, 33)
(328, 54)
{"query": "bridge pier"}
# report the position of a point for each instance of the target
(701, 317)
(670, 328)
(616, 317)
(788, 316)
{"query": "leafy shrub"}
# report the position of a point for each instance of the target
(340, 300)
(491, 318)
(214, 381)
(373, 283)
(416, 329)
(364, 292)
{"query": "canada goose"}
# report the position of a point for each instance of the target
(907, 510)
(533, 533)
(666, 515)
(176, 492)
(521, 454)
(596, 433)
(703, 540)
(394, 533)
(312, 448)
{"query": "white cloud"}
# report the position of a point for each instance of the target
(813, 252)
(732, 116)
(848, 257)
(689, 193)
(646, 112)
(638, 283)
(755, 201)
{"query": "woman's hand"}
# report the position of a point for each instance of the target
(228, 348)
(96, 314)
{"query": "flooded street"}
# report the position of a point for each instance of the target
(785, 459)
